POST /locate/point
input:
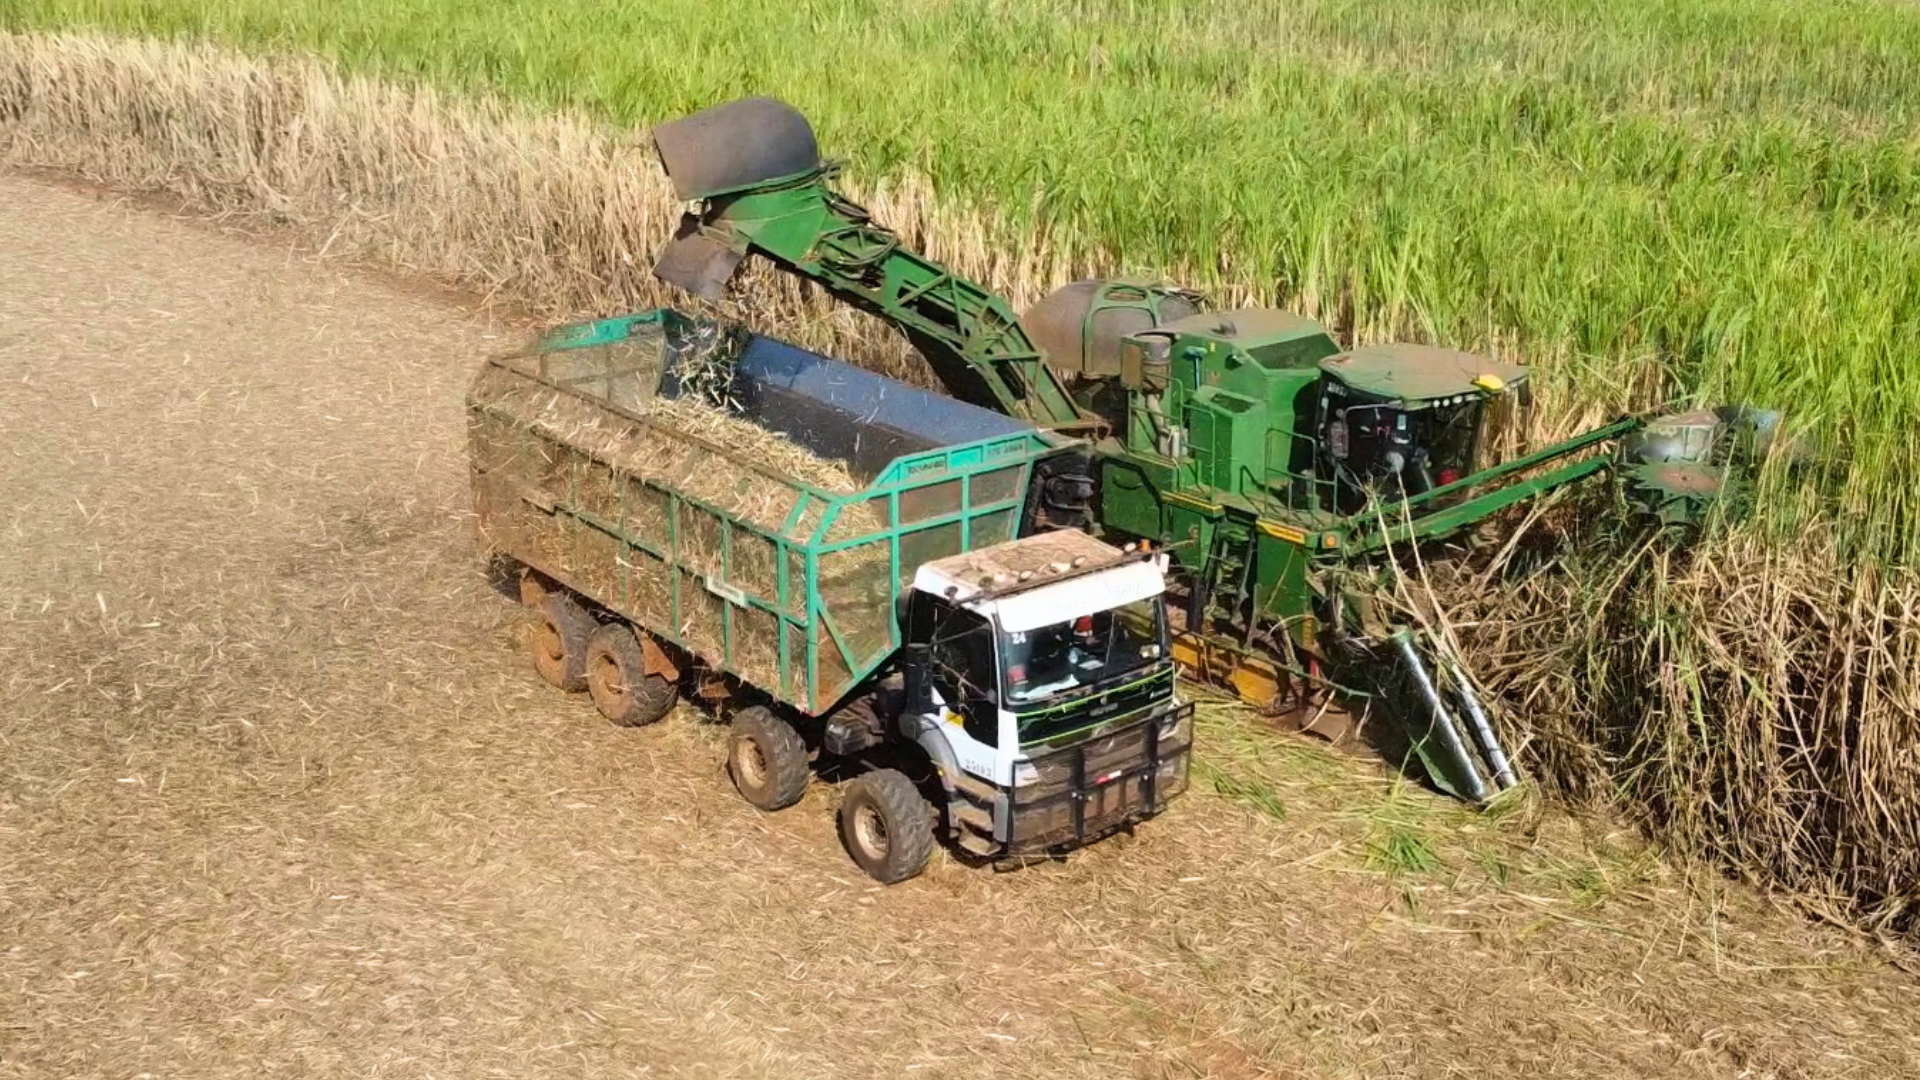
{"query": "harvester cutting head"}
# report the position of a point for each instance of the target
(1679, 465)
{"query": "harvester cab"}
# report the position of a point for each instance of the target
(1333, 431)
(1397, 420)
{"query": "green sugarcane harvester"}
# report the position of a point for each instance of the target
(1282, 471)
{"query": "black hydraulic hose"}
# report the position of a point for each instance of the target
(1197, 603)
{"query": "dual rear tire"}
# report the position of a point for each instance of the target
(558, 641)
(885, 823)
(623, 689)
(573, 651)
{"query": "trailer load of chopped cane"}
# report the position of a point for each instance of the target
(737, 491)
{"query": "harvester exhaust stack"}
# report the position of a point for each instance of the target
(728, 149)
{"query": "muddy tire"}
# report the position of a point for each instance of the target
(617, 677)
(886, 826)
(558, 641)
(767, 759)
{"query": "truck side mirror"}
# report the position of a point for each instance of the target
(914, 658)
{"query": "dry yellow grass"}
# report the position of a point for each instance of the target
(1757, 703)
(546, 213)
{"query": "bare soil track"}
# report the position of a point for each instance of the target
(279, 794)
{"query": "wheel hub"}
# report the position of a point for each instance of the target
(752, 763)
(607, 681)
(870, 832)
(546, 640)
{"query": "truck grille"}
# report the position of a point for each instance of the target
(1084, 791)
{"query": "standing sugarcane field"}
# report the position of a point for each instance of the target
(1113, 538)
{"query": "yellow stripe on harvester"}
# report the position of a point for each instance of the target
(1189, 500)
(1283, 532)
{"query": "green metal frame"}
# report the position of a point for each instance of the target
(1236, 408)
(804, 224)
(799, 607)
(1206, 457)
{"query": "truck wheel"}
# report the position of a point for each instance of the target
(767, 759)
(617, 677)
(887, 826)
(559, 642)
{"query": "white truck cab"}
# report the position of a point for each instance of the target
(1038, 680)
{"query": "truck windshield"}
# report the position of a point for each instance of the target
(1079, 652)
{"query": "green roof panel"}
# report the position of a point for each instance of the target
(1416, 375)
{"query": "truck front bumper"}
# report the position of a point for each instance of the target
(1085, 791)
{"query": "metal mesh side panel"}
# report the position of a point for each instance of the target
(700, 541)
(702, 617)
(932, 501)
(646, 516)
(796, 582)
(926, 545)
(753, 565)
(1000, 485)
(859, 519)
(991, 529)
(856, 590)
(756, 645)
(547, 542)
(835, 677)
(505, 519)
(795, 686)
(649, 589)
(597, 570)
(595, 489)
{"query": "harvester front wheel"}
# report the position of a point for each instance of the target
(767, 759)
(887, 826)
(617, 677)
(558, 641)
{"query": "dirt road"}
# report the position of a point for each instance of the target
(280, 796)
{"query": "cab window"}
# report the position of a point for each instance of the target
(960, 660)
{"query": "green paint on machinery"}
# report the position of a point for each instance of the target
(1281, 471)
